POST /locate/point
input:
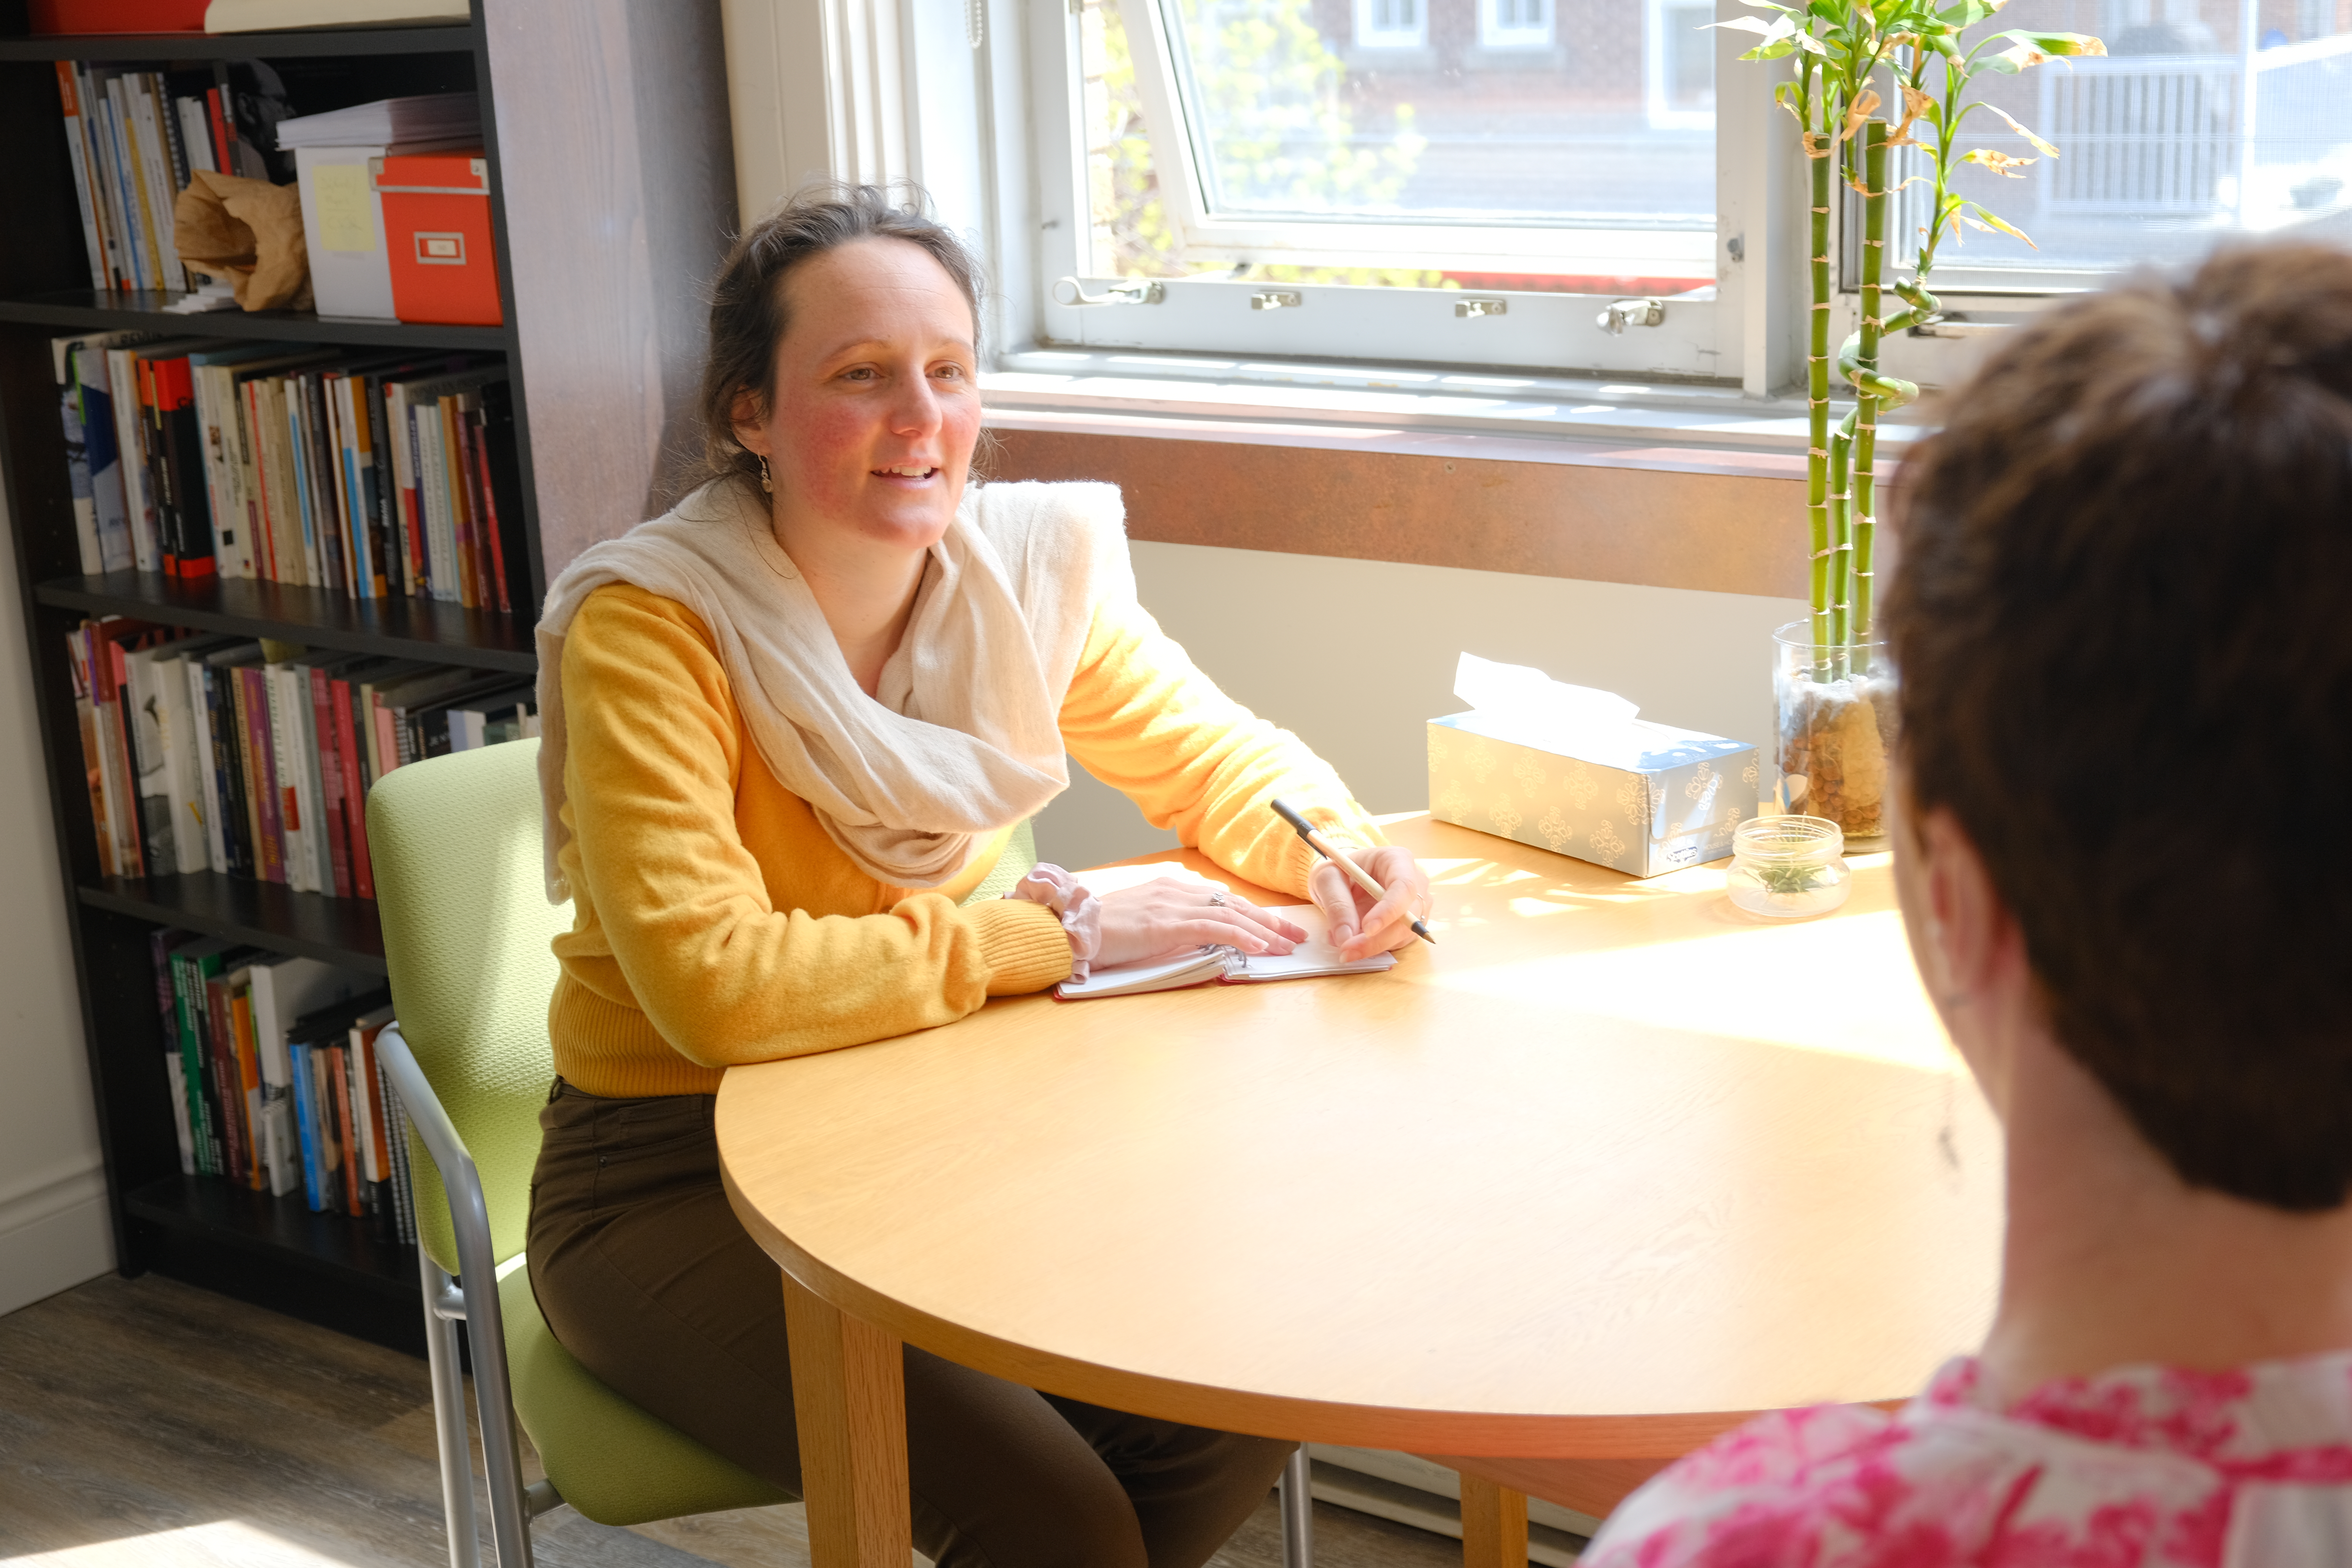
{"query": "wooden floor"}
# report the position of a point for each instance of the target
(145, 1422)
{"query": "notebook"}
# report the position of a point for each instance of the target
(1227, 965)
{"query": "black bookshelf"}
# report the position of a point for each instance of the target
(314, 617)
(327, 1267)
(106, 310)
(319, 43)
(617, 337)
(343, 932)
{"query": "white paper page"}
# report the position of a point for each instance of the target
(1316, 955)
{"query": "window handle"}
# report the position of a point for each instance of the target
(1276, 300)
(1134, 291)
(1623, 313)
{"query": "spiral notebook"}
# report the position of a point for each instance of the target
(1228, 965)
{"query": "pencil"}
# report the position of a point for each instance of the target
(1356, 874)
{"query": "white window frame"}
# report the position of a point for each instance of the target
(882, 89)
(1661, 113)
(1210, 237)
(1371, 35)
(1493, 34)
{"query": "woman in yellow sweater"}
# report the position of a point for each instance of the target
(788, 729)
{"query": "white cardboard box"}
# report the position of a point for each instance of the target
(1667, 799)
(342, 227)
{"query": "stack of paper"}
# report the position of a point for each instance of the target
(442, 117)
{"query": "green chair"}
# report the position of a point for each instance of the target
(456, 846)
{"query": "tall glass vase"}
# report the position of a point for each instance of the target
(1833, 732)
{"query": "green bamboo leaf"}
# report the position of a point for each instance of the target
(1991, 222)
(2040, 146)
(1772, 52)
(2000, 164)
(1969, 13)
(2028, 49)
(1778, 27)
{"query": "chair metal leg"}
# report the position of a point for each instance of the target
(477, 1302)
(1297, 1512)
(449, 1419)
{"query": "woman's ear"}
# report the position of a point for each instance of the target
(745, 416)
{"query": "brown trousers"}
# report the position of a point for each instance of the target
(646, 1275)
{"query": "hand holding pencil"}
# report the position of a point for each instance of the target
(1372, 899)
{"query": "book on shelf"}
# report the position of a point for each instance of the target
(375, 475)
(101, 524)
(203, 753)
(134, 135)
(283, 989)
(316, 1046)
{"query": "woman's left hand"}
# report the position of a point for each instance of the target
(1361, 925)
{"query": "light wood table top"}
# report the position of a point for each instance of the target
(1609, 1167)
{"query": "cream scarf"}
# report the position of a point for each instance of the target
(963, 736)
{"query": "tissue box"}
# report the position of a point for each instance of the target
(1668, 799)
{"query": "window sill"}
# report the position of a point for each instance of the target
(1581, 422)
(1670, 488)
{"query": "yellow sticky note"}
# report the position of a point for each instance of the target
(345, 205)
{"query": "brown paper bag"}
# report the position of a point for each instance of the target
(247, 232)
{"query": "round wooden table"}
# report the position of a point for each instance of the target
(1610, 1167)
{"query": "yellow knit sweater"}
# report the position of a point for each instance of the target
(715, 922)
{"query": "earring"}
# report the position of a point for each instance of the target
(766, 483)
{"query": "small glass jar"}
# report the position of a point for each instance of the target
(1786, 868)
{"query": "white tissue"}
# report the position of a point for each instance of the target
(1574, 720)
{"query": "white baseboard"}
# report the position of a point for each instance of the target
(54, 1234)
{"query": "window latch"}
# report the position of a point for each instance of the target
(1623, 313)
(1134, 291)
(1474, 308)
(1276, 300)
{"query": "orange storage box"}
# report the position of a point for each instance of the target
(437, 232)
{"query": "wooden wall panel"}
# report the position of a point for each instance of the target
(619, 180)
(1730, 534)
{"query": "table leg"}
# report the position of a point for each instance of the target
(849, 1397)
(1494, 1524)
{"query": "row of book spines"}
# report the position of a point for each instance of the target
(133, 144)
(370, 475)
(370, 478)
(202, 752)
(328, 1125)
(310, 1110)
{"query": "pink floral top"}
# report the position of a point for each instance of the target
(2136, 1468)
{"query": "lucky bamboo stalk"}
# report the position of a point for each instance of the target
(1866, 398)
(1839, 49)
(1821, 152)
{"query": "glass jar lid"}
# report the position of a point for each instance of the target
(1789, 840)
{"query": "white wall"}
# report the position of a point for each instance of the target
(53, 1224)
(1354, 655)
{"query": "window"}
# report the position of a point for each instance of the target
(1458, 185)
(1390, 24)
(1514, 24)
(1678, 60)
(1308, 197)
(2205, 119)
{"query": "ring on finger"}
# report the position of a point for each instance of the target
(1217, 900)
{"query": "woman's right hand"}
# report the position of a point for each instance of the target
(1169, 915)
